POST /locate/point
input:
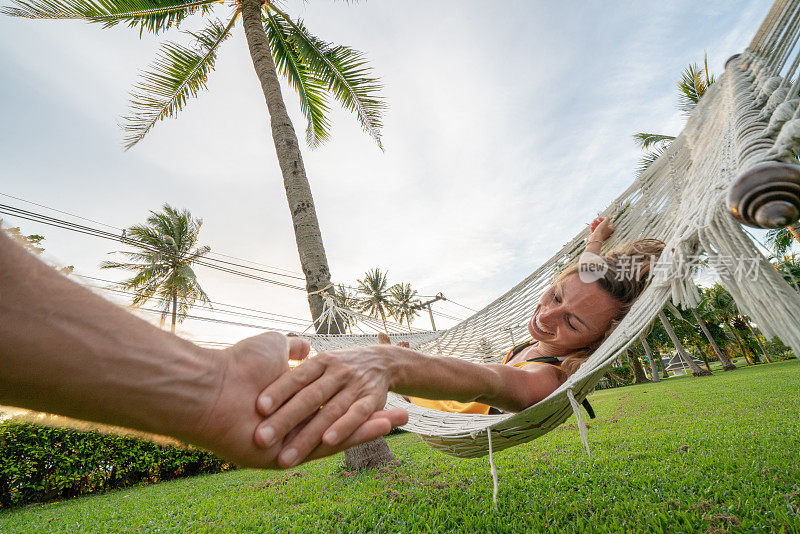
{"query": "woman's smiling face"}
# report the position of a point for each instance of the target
(572, 314)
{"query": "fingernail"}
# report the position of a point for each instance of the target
(265, 403)
(331, 437)
(267, 435)
(289, 457)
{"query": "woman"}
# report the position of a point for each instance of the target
(572, 319)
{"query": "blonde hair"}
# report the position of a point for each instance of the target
(620, 281)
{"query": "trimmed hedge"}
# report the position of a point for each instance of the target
(40, 463)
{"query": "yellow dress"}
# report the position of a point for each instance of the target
(472, 407)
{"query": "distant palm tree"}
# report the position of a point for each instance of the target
(789, 267)
(404, 303)
(374, 296)
(682, 353)
(165, 251)
(33, 243)
(703, 312)
(694, 83)
(725, 307)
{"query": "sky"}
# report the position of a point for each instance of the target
(508, 129)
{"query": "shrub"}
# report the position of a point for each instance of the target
(41, 463)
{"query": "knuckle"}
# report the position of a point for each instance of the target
(344, 373)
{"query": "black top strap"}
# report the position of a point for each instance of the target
(546, 359)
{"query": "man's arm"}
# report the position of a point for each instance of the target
(66, 350)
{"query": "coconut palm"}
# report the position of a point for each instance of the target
(685, 356)
(639, 376)
(404, 304)
(374, 295)
(278, 44)
(165, 249)
(650, 358)
(781, 239)
(789, 267)
(34, 244)
(727, 311)
(694, 83)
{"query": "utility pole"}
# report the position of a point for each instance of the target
(427, 304)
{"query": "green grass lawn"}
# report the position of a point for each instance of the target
(689, 454)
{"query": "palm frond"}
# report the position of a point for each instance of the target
(310, 89)
(178, 73)
(649, 158)
(646, 140)
(345, 72)
(151, 15)
(693, 84)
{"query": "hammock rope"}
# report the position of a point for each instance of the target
(747, 120)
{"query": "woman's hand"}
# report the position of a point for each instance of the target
(334, 393)
(601, 228)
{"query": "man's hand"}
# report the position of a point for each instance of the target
(230, 422)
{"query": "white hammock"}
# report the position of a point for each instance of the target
(748, 117)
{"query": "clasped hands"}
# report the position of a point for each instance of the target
(326, 404)
(329, 403)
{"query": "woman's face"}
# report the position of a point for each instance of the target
(572, 314)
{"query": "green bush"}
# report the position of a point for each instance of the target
(40, 463)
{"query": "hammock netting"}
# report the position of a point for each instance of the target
(749, 116)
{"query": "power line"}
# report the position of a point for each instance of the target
(229, 312)
(205, 262)
(295, 273)
(305, 321)
(67, 225)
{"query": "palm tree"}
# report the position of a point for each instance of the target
(746, 321)
(789, 267)
(650, 358)
(781, 239)
(374, 295)
(277, 43)
(694, 83)
(727, 311)
(704, 310)
(404, 304)
(685, 356)
(33, 243)
(166, 247)
(639, 376)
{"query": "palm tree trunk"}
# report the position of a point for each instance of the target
(298, 191)
(758, 340)
(174, 309)
(727, 365)
(739, 341)
(702, 352)
(696, 369)
(795, 230)
(301, 204)
(638, 373)
(653, 367)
